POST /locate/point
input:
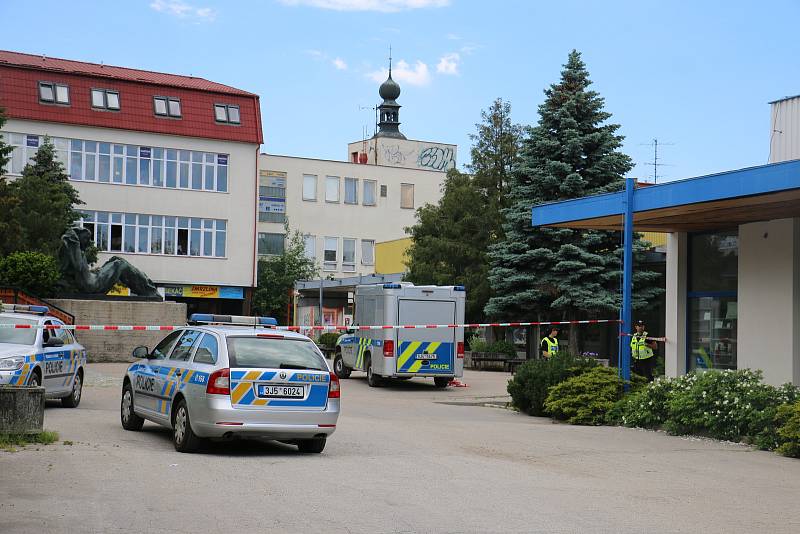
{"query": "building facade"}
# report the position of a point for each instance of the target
(166, 165)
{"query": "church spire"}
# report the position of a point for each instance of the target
(389, 109)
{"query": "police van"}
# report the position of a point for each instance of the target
(405, 353)
(32, 355)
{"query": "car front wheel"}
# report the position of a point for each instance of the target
(130, 421)
(341, 370)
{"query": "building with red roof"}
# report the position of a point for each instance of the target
(166, 164)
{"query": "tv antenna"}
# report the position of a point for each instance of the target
(655, 163)
(375, 109)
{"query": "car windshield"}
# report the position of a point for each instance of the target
(18, 336)
(274, 353)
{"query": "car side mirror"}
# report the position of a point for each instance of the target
(54, 342)
(351, 330)
(141, 352)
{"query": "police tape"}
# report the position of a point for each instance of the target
(302, 328)
(648, 338)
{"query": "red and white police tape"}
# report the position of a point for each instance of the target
(148, 328)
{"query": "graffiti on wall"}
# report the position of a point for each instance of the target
(438, 158)
(392, 155)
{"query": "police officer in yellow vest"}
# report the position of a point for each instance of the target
(642, 352)
(549, 344)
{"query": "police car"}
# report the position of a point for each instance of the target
(229, 376)
(35, 356)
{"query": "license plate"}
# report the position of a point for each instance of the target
(281, 392)
(426, 356)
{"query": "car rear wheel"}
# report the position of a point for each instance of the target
(74, 398)
(373, 379)
(341, 370)
(441, 381)
(130, 421)
(315, 445)
(183, 437)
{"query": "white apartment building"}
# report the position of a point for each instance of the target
(165, 164)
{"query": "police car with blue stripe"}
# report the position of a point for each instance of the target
(31, 355)
(223, 377)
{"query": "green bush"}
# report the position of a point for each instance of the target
(328, 339)
(585, 399)
(729, 405)
(529, 387)
(503, 347)
(34, 272)
(788, 422)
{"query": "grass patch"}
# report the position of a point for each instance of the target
(9, 442)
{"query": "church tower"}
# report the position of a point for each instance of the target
(389, 110)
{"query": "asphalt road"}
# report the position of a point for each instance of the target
(405, 458)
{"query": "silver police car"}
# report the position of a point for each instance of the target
(31, 355)
(229, 376)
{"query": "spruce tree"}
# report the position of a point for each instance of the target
(10, 231)
(559, 273)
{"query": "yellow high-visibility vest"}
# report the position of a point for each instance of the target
(552, 346)
(639, 348)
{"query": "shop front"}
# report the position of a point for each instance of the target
(224, 300)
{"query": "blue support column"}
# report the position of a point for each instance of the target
(627, 282)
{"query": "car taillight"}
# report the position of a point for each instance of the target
(460, 350)
(219, 383)
(388, 348)
(334, 389)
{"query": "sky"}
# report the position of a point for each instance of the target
(697, 76)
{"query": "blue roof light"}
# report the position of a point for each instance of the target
(201, 318)
(392, 286)
(459, 288)
(268, 321)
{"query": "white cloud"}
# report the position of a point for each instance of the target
(182, 10)
(453, 37)
(316, 54)
(403, 72)
(339, 64)
(448, 64)
(383, 6)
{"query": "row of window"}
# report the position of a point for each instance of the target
(156, 234)
(109, 100)
(97, 161)
(333, 191)
(274, 244)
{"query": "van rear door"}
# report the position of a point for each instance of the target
(430, 351)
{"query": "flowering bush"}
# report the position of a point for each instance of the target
(730, 405)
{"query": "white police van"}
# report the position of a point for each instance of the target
(31, 355)
(437, 353)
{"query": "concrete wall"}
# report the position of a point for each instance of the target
(384, 221)
(768, 299)
(237, 206)
(407, 153)
(116, 346)
(676, 285)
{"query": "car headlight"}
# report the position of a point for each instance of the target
(12, 363)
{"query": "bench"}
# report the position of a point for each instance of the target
(479, 359)
(511, 364)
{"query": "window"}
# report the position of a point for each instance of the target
(354, 157)
(105, 99)
(367, 252)
(384, 191)
(183, 349)
(369, 192)
(156, 234)
(53, 93)
(309, 187)
(330, 254)
(713, 274)
(331, 189)
(165, 345)
(272, 197)
(167, 107)
(407, 196)
(207, 350)
(348, 255)
(271, 244)
(226, 113)
(310, 246)
(350, 191)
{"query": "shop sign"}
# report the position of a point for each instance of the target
(204, 292)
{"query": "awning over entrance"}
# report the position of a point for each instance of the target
(705, 203)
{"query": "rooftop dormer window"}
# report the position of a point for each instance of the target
(53, 93)
(105, 99)
(166, 106)
(226, 113)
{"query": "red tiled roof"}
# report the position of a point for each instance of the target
(18, 59)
